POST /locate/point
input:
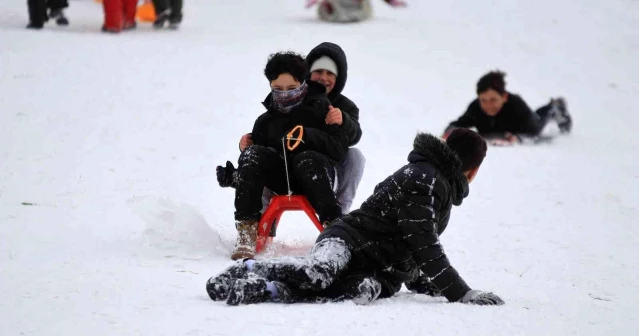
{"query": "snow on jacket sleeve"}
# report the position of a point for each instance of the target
(417, 203)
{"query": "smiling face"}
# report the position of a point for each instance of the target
(491, 101)
(325, 77)
(285, 82)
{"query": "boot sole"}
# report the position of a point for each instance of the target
(242, 252)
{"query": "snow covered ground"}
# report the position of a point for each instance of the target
(111, 220)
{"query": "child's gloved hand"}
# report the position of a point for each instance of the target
(481, 298)
(225, 174)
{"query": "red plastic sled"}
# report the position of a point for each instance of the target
(270, 218)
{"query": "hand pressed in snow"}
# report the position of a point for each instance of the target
(482, 298)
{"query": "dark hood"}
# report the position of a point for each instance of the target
(334, 52)
(431, 149)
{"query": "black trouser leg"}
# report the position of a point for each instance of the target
(314, 174)
(258, 167)
(160, 6)
(37, 11)
(176, 11)
(57, 4)
(327, 260)
(543, 114)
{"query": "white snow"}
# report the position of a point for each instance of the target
(114, 139)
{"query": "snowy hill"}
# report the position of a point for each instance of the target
(111, 220)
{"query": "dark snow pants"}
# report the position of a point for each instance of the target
(173, 7)
(38, 9)
(310, 173)
(316, 272)
(543, 116)
(323, 276)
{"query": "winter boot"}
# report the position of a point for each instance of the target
(33, 25)
(175, 19)
(173, 24)
(561, 115)
(246, 239)
(161, 18)
(129, 26)
(110, 30)
(366, 291)
(249, 290)
(218, 286)
(58, 16)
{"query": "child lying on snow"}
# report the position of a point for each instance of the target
(505, 118)
(392, 239)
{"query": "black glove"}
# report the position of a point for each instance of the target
(225, 175)
(482, 298)
(422, 285)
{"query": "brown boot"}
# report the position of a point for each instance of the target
(246, 240)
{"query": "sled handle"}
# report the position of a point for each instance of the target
(298, 139)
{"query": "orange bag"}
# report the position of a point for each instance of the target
(146, 12)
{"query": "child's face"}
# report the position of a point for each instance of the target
(491, 102)
(285, 82)
(325, 77)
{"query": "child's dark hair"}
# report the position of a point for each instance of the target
(492, 80)
(285, 62)
(469, 146)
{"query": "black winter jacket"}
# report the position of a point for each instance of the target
(395, 233)
(515, 117)
(350, 117)
(273, 125)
